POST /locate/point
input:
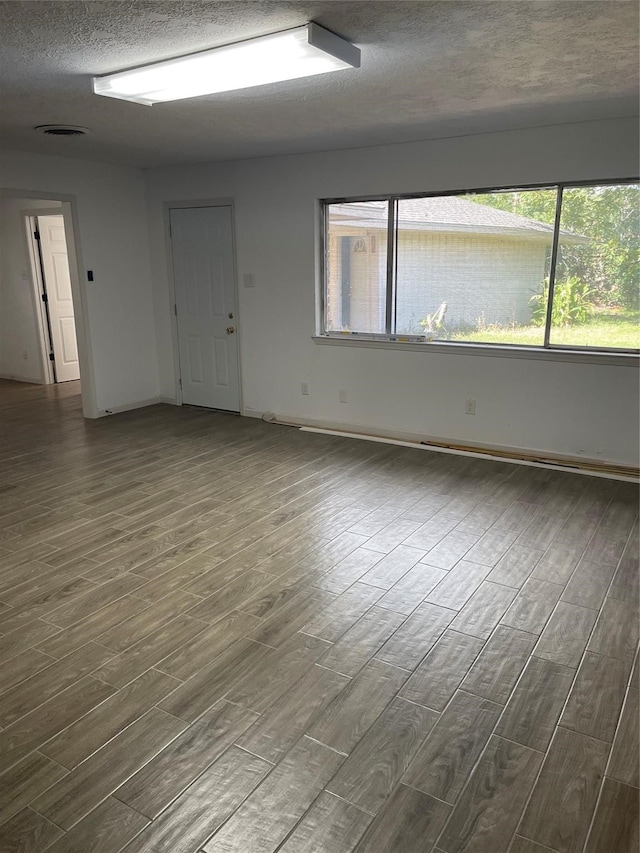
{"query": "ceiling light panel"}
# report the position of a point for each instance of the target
(300, 52)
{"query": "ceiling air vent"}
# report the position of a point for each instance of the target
(61, 130)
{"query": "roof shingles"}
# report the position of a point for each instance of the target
(446, 214)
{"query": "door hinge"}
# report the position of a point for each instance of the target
(180, 382)
(52, 357)
(36, 234)
(175, 310)
(45, 298)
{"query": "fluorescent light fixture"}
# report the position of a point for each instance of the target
(300, 52)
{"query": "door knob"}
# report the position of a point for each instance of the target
(230, 330)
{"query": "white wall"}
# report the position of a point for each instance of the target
(113, 239)
(19, 323)
(558, 407)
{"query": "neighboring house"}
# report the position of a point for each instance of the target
(484, 263)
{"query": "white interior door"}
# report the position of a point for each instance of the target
(57, 282)
(204, 277)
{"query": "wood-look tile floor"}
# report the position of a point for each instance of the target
(225, 636)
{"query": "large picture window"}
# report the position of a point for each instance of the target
(552, 267)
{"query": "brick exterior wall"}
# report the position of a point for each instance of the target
(483, 278)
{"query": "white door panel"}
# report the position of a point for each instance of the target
(69, 343)
(204, 276)
(57, 280)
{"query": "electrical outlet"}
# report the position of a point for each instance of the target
(305, 389)
(248, 280)
(343, 396)
(470, 407)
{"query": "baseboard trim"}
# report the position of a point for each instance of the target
(439, 444)
(128, 407)
(15, 378)
(252, 413)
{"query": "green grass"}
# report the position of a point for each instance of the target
(607, 328)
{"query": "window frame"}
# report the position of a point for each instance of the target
(389, 339)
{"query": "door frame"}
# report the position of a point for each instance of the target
(36, 257)
(38, 286)
(168, 206)
(78, 288)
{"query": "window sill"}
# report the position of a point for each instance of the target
(492, 350)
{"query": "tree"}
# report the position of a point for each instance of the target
(608, 216)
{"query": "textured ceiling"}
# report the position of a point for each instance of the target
(429, 69)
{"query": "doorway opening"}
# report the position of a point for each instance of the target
(42, 321)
